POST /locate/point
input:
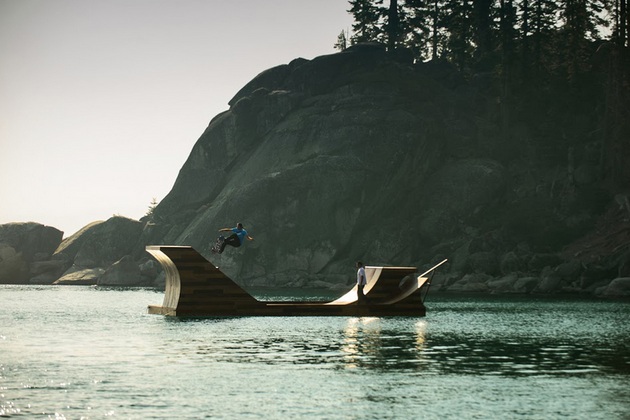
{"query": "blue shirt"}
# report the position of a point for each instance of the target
(241, 233)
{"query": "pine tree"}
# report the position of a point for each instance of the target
(393, 26)
(581, 22)
(458, 20)
(622, 22)
(482, 31)
(342, 41)
(525, 16)
(425, 30)
(151, 210)
(436, 35)
(367, 25)
(542, 20)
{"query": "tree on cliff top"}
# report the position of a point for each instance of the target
(543, 54)
(367, 20)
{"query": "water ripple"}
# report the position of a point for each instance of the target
(103, 356)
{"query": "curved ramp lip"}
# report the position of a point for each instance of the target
(421, 280)
(372, 274)
(172, 288)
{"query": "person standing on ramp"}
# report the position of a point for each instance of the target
(361, 282)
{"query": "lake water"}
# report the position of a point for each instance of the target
(83, 352)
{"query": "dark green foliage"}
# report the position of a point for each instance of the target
(458, 22)
(425, 34)
(342, 41)
(367, 25)
(150, 212)
(621, 24)
(560, 65)
(545, 36)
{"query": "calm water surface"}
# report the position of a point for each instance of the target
(84, 352)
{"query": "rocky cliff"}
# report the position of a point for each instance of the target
(362, 155)
(327, 161)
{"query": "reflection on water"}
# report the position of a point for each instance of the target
(90, 353)
(366, 345)
(346, 342)
(402, 344)
(362, 339)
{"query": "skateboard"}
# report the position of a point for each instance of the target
(216, 248)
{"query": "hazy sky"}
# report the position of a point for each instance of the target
(101, 101)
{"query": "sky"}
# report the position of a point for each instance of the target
(101, 101)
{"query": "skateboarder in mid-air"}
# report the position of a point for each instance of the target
(235, 239)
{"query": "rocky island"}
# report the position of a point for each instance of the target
(364, 154)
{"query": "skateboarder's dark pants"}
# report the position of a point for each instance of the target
(231, 240)
(360, 293)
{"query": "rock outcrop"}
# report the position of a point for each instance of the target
(124, 272)
(22, 244)
(31, 253)
(101, 243)
(101, 253)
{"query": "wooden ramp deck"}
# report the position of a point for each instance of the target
(196, 287)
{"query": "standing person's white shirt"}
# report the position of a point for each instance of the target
(361, 281)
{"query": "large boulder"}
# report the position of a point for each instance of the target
(526, 285)
(22, 244)
(33, 240)
(100, 244)
(80, 277)
(68, 249)
(618, 288)
(504, 284)
(46, 272)
(13, 266)
(124, 272)
(551, 282)
(476, 282)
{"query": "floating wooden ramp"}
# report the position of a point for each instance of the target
(195, 287)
